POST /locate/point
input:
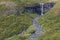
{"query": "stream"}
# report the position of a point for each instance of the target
(38, 27)
(44, 7)
(38, 31)
(41, 10)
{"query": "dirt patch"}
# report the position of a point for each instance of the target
(8, 7)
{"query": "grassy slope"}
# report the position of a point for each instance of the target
(51, 23)
(11, 25)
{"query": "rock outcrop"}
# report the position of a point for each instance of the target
(37, 8)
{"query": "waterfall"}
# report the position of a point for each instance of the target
(38, 27)
(39, 30)
(42, 8)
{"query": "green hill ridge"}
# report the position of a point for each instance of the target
(51, 23)
(11, 25)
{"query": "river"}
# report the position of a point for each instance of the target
(38, 27)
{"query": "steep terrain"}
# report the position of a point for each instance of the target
(51, 23)
(14, 22)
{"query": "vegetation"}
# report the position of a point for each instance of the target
(12, 25)
(51, 23)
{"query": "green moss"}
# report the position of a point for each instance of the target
(11, 25)
(51, 23)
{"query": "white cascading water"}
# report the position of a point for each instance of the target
(39, 30)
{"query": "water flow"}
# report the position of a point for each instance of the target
(42, 8)
(38, 31)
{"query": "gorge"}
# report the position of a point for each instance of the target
(40, 9)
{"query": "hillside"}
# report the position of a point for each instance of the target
(12, 20)
(51, 23)
(17, 24)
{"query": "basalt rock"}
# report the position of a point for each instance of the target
(47, 7)
(37, 8)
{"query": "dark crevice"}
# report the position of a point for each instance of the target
(37, 8)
